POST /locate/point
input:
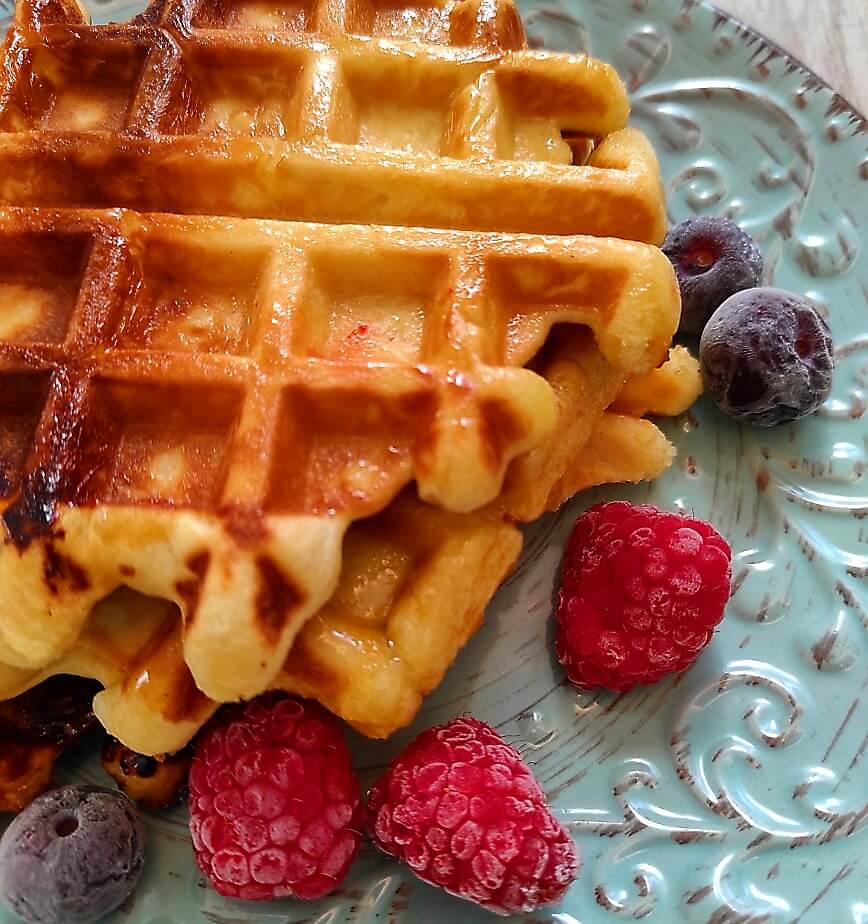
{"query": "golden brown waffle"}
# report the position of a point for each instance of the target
(374, 650)
(35, 728)
(198, 408)
(194, 412)
(360, 654)
(430, 114)
(621, 450)
(664, 392)
(584, 383)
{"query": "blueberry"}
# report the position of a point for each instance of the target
(713, 259)
(71, 856)
(766, 357)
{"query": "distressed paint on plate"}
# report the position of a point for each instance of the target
(737, 793)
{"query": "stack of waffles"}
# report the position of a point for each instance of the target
(289, 447)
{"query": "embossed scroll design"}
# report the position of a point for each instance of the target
(730, 823)
(734, 825)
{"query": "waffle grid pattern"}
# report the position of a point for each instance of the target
(372, 652)
(220, 416)
(194, 331)
(387, 129)
(200, 407)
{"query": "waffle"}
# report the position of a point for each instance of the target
(584, 384)
(35, 728)
(621, 450)
(432, 114)
(198, 408)
(373, 651)
(665, 391)
(206, 413)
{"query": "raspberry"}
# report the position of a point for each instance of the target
(641, 593)
(462, 810)
(275, 807)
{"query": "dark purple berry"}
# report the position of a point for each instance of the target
(766, 357)
(713, 259)
(71, 856)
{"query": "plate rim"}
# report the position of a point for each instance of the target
(841, 103)
(746, 31)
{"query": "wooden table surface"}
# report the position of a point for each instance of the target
(826, 35)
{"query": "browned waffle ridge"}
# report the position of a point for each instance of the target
(414, 580)
(225, 413)
(430, 114)
(178, 417)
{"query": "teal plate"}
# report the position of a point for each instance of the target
(737, 793)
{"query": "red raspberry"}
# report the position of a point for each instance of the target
(641, 593)
(275, 807)
(462, 810)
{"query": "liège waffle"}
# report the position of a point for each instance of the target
(222, 417)
(413, 587)
(198, 408)
(433, 114)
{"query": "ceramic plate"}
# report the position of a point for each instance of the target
(737, 793)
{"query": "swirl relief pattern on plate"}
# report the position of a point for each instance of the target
(736, 793)
(764, 776)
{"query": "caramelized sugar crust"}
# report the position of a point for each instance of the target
(35, 727)
(221, 417)
(198, 408)
(373, 651)
(433, 114)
